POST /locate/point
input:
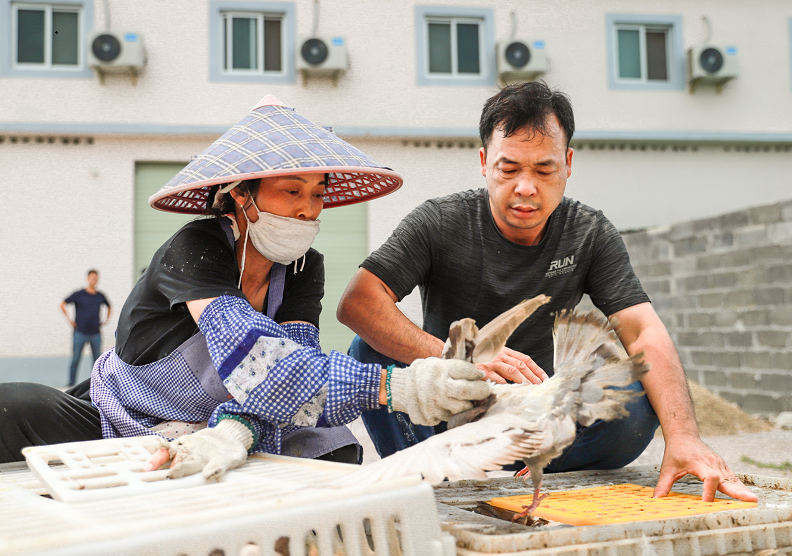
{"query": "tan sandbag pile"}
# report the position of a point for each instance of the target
(718, 417)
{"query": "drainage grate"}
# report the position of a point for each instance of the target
(766, 527)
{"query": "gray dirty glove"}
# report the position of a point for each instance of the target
(214, 450)
(432, 390)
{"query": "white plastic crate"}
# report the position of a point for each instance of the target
(270, 501)
(90, 471)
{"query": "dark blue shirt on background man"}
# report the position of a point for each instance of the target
(87, 321)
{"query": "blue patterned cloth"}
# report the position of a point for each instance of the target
(277, 375)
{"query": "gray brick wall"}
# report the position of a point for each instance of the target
(723, 287)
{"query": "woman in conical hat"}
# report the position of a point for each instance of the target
(217, 348)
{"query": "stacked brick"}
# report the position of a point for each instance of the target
(723, 287)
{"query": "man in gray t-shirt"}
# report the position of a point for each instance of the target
(477, 253)
(451, 248)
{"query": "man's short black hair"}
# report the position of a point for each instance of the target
(92, 271)
(525, 105)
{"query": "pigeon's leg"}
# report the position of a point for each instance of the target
(528, 510)
(536, 478)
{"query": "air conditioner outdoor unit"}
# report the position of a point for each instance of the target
(711, 64)
(114, 51)
(521, 60)
(319, 55)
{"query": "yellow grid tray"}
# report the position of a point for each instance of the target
(617, 504)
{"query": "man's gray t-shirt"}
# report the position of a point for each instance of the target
(451, 249)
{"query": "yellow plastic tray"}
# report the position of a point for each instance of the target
(617, 504)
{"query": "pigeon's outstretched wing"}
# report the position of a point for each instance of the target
(463, 453)
(466, 341)
(491, 339)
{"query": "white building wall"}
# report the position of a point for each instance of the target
(69, 207)
(380, 91)
(637, 189)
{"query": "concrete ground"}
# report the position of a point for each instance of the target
(767, 448)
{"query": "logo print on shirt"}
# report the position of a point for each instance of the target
(561, 266)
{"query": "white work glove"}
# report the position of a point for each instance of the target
(214, 450)
(433, 390)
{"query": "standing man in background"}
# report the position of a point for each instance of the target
(87, 320)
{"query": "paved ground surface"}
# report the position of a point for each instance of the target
(768, 448)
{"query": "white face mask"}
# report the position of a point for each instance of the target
(281, 239)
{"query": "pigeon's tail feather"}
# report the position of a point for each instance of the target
(607, 409)
(579, 337)
(600, 396)
(618, 372)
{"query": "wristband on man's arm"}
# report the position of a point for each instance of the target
(388, 387)
(240, 419)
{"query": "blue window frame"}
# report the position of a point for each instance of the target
(645, 52)
(454, 46)
(44, 38)
(251, 41)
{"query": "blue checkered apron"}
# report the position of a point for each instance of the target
(185, 386)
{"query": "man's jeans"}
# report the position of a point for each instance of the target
(80, 340)
(603, 445)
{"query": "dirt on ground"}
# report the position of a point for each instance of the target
(718, 417)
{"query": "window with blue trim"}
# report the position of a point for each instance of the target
(453, 46)
(251, 41)
(645, 52)
(44, 38)
(642, 52)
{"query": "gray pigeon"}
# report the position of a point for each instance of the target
(522, 421)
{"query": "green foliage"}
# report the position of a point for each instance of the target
(784, 466)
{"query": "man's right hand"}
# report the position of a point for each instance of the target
(513, 366)
(433, 390)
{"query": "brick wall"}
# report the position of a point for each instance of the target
(723, 287)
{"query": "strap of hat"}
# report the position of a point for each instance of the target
(275, 293)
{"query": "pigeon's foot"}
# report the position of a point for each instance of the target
(524, 472)
(528, 510)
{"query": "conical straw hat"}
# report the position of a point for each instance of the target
(274, 140)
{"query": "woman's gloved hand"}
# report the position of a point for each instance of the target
(432, 390)
(213, 451)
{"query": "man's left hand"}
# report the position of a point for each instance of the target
(513, 366)
(688, 454)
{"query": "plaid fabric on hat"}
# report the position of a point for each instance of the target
(274, 140)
